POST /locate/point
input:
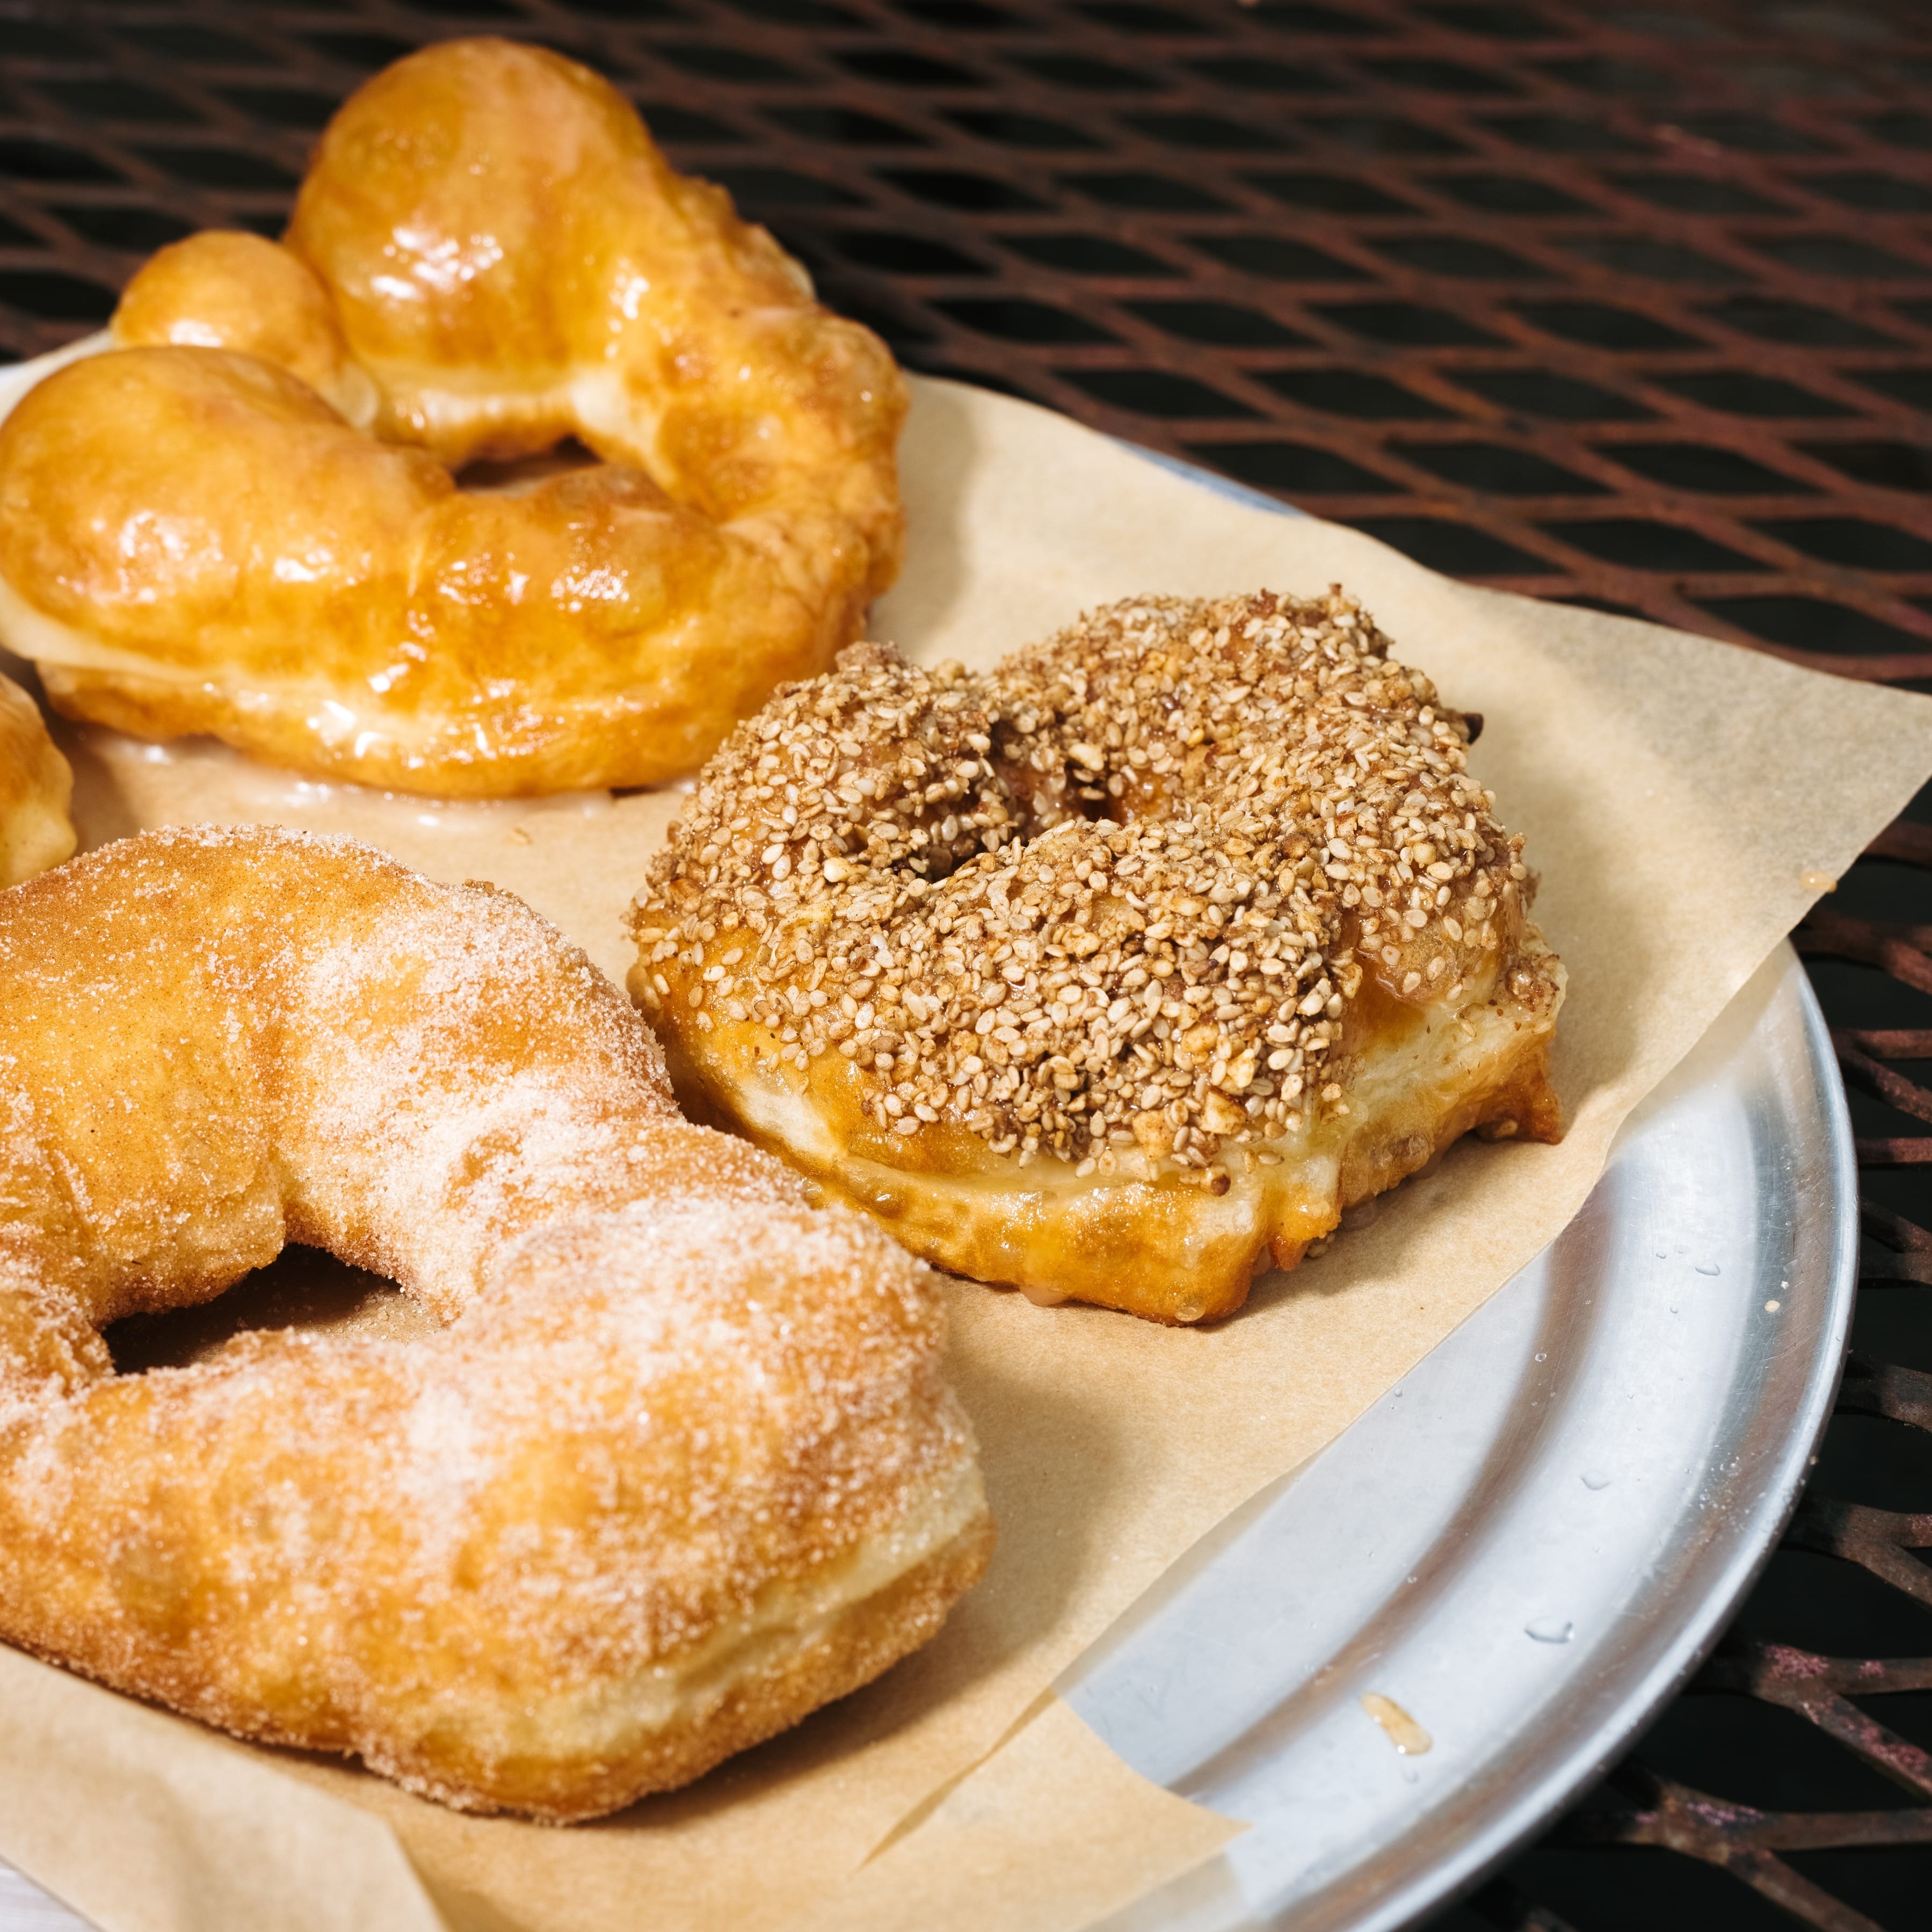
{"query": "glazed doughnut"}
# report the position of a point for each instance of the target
(245, 522)
(1118, 972)
(35, 788)
(679, 1468)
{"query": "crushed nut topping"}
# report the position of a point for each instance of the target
(1120, 892)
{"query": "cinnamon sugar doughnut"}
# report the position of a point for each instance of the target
(35, 787)
(680, 1467)
(244, 520)
(1118, 972)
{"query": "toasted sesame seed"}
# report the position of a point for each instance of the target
(1121, 890)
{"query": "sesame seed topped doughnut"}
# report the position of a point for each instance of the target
(1118, 970)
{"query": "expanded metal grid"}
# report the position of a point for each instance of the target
(1629, 305)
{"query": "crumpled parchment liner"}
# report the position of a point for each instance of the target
(1683, 800)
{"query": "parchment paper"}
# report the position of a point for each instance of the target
(1051, 1833)
(1685, 801)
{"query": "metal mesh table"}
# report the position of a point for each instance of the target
(1628, 305)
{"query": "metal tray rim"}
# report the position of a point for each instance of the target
(1701, 1632)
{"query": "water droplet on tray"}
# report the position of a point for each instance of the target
(1549, 1629)
(1544, 1357)
(1709, 1268)
(1596, 1479)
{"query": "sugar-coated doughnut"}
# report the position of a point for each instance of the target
(1118, 972)
(244, 520)
(35, 788)
(680, 1466)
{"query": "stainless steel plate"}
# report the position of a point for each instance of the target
(1528, 1545)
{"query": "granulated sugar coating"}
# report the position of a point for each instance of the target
(679, 1468)
(1137, 900)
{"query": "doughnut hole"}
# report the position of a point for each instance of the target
(303, 1292)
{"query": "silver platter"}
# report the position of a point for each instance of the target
(1528, 1545)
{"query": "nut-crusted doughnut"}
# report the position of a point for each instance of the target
(35, 788)
(680, 1467)
(244, 521)
(1117, 972)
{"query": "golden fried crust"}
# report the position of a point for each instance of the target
(680, 1467)
(1152, 1238)
(477, 288)
(1119, 971)
(489, 256)
(226, 288)
(35, 788)
(332, 602)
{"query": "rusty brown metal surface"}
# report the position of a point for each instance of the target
(1630, 303)
(1623, 303)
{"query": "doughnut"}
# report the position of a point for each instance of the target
(35, 788)
(245, 518)
(677, 1466)
(1118, 973)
